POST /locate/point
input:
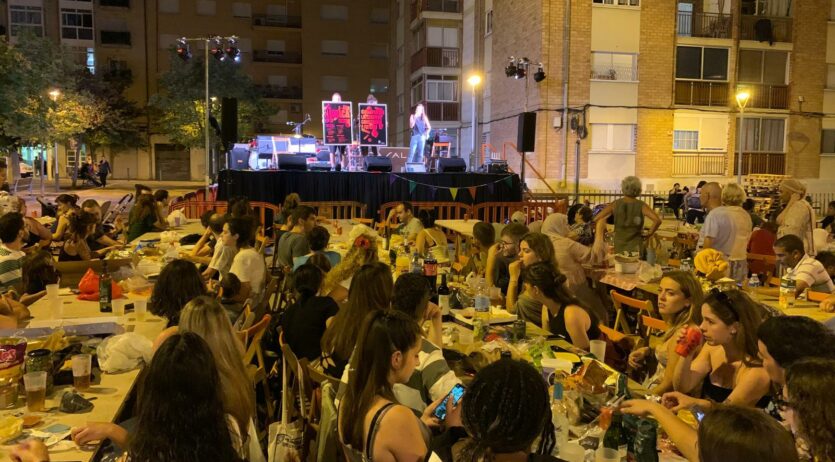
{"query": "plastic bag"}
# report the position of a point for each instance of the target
(176, 218)
(124, 352)
(649, 273)
(88, 286)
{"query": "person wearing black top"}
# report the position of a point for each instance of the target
(829, 218)
(304, 321)
(676, 199)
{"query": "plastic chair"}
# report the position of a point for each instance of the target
(254, 360)
(621, 302)
(652, 324)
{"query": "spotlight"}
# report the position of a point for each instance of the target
(510, 69)
(521, 72)
(183, 49)
(232, 50)
(539, 76)
(216, 49)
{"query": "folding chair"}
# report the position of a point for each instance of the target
(613, 335)
(254, 360)
(621, 302)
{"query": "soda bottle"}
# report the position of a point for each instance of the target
(105, 294)
(787, 290)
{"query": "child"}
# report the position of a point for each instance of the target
(231, 287)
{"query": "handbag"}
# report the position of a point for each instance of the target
(286, 437)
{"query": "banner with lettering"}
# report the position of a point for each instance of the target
(337, 123)
(373, 124)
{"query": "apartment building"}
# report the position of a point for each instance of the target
(297, 52)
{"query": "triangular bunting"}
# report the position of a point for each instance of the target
(472, 190)
(412, 186)
(508, 180)
(454, 192)
(392, 179)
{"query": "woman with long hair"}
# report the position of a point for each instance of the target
(371, 425)
(66, 205)
(371, 290)
(362, 252)
(291, 201)
(143, 217)
(431, 239)
(533, 248)
(727, 369)
(75, 246)
(808, 407)
(680, 304)
(562, 313)
(304, 322)
(39, 271)
(178, 283)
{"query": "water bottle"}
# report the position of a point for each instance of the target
(754, 285)
(482, 303)
(787, 290)
(417, 266)
(559, 417)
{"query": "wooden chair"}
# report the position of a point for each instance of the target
(270, 292)
(295, 366)
(653, 324)
(813, 296)
(769, 262)
(245, 319)
(621, 302)
(254, 360)
(613, 335)
(261, 243)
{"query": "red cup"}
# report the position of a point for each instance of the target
(691, 339)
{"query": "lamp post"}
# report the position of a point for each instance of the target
(54, 94)
(742, 97)
(474, 80)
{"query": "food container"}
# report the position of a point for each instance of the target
(12, 354)
(627, 267)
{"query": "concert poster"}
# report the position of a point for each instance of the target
(373, 124)
(337, 123)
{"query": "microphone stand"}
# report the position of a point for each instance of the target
(297, 129)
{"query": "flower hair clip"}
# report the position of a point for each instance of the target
(362, 242)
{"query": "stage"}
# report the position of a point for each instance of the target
(373, 189)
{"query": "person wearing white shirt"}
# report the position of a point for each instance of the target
(248, 265)
(728, 228)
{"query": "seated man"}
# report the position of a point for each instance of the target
(410, 225)
(294, 243)
(808, 273)
(827, 259)
(505, 252)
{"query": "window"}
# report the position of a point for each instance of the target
(757, 66)
(379, 86)
(206, 7)
(442, 90)
(380, 15)
(685, 140)
(379, 51)
(618, 2)
(334, 48)
(334, 12)
(242, 10)
(76, 24)
(763, 135)
(442, 37)
(277, 80)
(828, 141)
(613, 137)
(169, 6)
(25, 19)
(694, 131)
(334, 83)
(488, 23)
(701, 63)
(614, 66)
(417, 91)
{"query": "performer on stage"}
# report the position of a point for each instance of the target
(337, 161)
(366, 150)
(419, 124)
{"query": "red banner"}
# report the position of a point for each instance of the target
(337, 123)
(373, 124)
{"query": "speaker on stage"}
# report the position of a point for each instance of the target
(377, 164)
(451, 164)
(239, 159)
(229, 120)
(292, 162)
(526, 135)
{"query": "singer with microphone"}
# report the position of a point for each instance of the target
(420, 126)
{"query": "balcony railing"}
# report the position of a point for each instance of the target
(441, 111)
(440, 6)
(771, 163)
(713, 25)
(435, 57)
(119, 3)
(614, 72)
(281, 57)
(276, 20)
(765, 96)
(699, 163)
(112, 37)
(701, 93)
(765, 28)
(279, 92)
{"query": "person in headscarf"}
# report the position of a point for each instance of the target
(798, 216)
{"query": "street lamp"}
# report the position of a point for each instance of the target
(742, 97)
(54, 94)
(474, 81)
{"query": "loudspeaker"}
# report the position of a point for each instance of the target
(451, 164)
(292, 162)
(526, 134)
(377, 164)
(239, 159)
(229, 120)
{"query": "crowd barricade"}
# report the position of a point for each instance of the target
(338, 210)
(500, 212)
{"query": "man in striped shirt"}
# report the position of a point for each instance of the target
(11, 235)
(807, 272)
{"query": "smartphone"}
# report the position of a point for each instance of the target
(129, 308)
(457, 392)
(698, 412)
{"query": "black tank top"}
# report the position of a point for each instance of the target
(556, 324)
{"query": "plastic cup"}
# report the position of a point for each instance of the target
(598, 349)
(52, 290)
(119, 306)
(572, 452)
(81, 368)
(607, 455)
(552, 365)
(140, 308)
(35, 385)
(56, 308)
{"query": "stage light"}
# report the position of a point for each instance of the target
(216, 49)
(183, 49)
(510, 69)
(539, 75)
(232, 50)
(520, 72)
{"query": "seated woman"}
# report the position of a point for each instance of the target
(484, 236)
(807, 405)
(143, 217)
(680, 304)
(533, 248)
(371, 425)
(248, 265)
(431, 239)
(161, 201)
(371, 290)
(178, 283)
(66, 205)
(291, 201)
(75, 246)
(582, 230)
(230, 287)
(728, 368)
(784, 340)
(318, 239)
(362, 252)
(38, 272)
(562, 313)
(304, 322)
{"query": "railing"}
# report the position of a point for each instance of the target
(766, 96)
(112, 37)
(500, 212)
(699, 163)
(715, 25)
(765, 28)
(119, 3)
(442, 111)
(772, 163)
(338, 210)
(614, 72)
(440, 6)
(435, 57)
(701, 93)
(268, 56)
(276, 20)
(278, 92)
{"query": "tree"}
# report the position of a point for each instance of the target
(117, 124)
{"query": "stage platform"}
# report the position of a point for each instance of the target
(373, 189)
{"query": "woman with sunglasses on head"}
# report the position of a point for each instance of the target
(728, 368)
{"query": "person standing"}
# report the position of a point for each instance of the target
(798, 217)
(340, 149)
(420, 126)
(104, 170)
(37, 164)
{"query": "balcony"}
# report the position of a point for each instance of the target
(713, 25)
(438, 6)
(112, 37)
(279, 57)
(116, 3)
(770, 163)
(438, 111)
(765, 28)
(764, 96)
(277, 20)
(279, 92)
(701, 93)
(120, 76)
(699, 164)
(614, 72)
(436, 57)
